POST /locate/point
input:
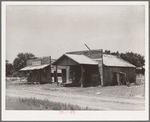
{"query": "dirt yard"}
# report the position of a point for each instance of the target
(103, 98)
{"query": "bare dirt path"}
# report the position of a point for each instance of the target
(94, 102)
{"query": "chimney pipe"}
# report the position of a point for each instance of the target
(87, 47)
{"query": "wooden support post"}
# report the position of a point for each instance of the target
(50, 70)
(56, 76)
(39, 76)
(82, 80)
(27, 76)
(101, 69)
(118, 78)
(67, 73)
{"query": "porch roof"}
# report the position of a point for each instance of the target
(28, 68)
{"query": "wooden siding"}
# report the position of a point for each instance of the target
(94, 75)
(75, 73)
(63, 75)
(29, 62)
(108, 74)
(33, 77)
(90, 75)
(65, 61)
(45, 75)
(44, 60)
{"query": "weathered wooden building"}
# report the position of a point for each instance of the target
(94, 67)
(38, 70)
(78, 68)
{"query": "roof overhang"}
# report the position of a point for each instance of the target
(29, 68)
(72, 59)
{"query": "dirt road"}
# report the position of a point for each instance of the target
(94, 102)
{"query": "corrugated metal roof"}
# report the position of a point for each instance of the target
(110, 60)
(82, 59)
(34, 67)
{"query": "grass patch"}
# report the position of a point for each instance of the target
(36, 104)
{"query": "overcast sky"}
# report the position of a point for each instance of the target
(54, 30)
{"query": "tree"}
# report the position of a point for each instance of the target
(107, 52)
(133, 58)
(115, 53)
(20, 61)
(9, 68)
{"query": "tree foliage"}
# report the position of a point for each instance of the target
(134, 58)
(20, 61)
(9, 68)
(107, 52)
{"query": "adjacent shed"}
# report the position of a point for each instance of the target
(117, 71)
(38, 70)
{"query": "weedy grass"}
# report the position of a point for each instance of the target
(36, 104)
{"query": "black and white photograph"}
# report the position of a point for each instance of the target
(75, 60)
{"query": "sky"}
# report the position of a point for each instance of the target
(52, 30)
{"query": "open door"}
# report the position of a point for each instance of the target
(114, 79)
(63, 75)
(119, 78)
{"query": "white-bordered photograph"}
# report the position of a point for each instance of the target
(75, 61)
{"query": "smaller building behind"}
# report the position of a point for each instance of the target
(38, 70)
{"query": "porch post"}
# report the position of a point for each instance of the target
(50, 70)
(67, 73)
(101, 68)
(39, 76)
(27, 76)
(82, 80)
(56, 76)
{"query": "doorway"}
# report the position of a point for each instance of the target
(63, 75)
(87, 75)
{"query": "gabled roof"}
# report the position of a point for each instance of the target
(91, 54)
(28, 68)
(80, 59)
(108, 60)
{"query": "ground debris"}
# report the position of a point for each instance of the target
(98, 93)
